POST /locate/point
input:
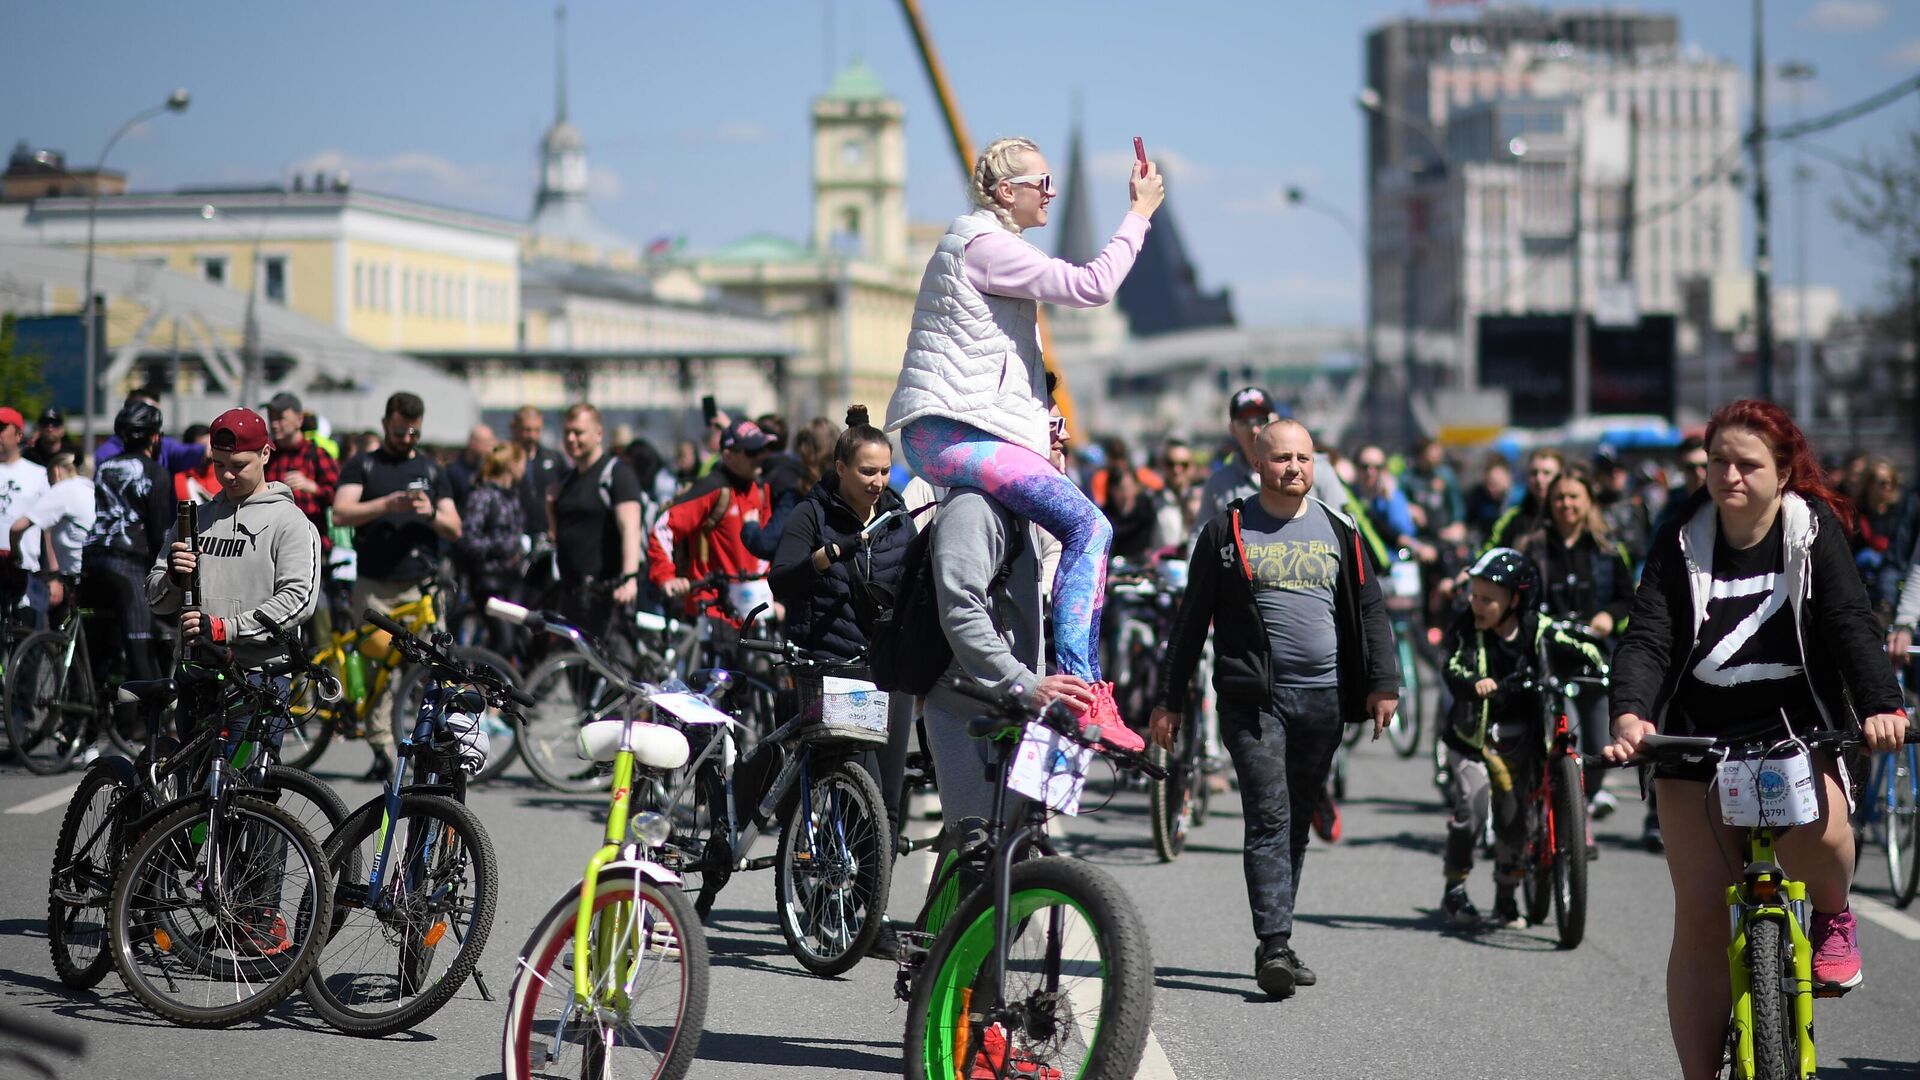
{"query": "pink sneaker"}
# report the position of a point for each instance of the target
(1113, 730)
(1836, 954)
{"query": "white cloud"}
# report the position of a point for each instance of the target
(419, 174)
(1906, 57)
(1845, 16)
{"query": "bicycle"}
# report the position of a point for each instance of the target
(1888, 814)
(363, 660)
(221, 907)
(1404, 600)
(1769, 957)
(1148, 603)
(430, 870)
(1555, 802)
(54, 711)
(1043, 967)
(117, 799)
(618, 965)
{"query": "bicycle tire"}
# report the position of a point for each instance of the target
(1776, 1052)
(80, 954)
(1116, 939)
(325, 810)
(851, 826)
(263, 829)
(376, 976)
(1903, 824)
(1536, 886)
(1169, 801)
(567, 694)
(1569, 853)
(1404, 733)
(406, 707)
(543, 973)
(49, 721)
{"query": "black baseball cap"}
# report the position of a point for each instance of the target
(745, 436)
(1250, 403)
(53, 418)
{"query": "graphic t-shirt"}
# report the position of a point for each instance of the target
(402, 546)
(1746, 664)
(21, 485)
(66, 514)
(133, 505)
(1296, 567)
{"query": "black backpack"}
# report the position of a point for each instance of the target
(908, 649)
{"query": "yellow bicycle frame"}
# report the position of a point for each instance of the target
(1746, 909)
(417, 616)
(590, 883)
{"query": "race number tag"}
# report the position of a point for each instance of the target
(1773, 792)
(1050, 768)
(691, 708)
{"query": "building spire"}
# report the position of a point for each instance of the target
(560, 64)
(1077, 242)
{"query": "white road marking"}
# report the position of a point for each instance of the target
(1153, 1059)
(45, 802)
(1876, 912)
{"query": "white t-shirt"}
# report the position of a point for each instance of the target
(65, 513)
(21, 485)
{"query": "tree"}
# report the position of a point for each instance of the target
(23, 382)
(1882, 204)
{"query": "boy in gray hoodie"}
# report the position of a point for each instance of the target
(258, 554)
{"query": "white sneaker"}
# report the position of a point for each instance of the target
(1602, 804)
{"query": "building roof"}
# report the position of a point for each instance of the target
(273, 198)
(1078, 245)
(856, 82)
(571, 221)
(762, 248)
(1162, 294)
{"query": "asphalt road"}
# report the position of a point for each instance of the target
(1398, 996)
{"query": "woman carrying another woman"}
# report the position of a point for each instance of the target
(1587, 577)
(971, 406)
(821, 573)
(1749, 614)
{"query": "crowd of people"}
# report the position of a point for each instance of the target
(1792, 568)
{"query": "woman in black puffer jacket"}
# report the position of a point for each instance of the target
(822, 570)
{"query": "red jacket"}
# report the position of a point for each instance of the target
(682, 545)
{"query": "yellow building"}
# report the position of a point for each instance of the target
(392, 273)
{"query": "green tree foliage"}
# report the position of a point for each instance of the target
(23, 382)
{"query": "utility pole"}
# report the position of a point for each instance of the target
(1762, 213)
(1913, 315)
(1795, 74)
(1582, 360)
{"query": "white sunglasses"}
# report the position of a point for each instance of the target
(1043, 180)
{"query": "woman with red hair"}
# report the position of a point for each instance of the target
(1750, 616)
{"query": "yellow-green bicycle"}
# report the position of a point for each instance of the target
(1770, 1029)
(613, 979)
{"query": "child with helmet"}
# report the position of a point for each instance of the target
(1495, 745)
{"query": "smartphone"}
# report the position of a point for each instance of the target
(709, 409)
(1140, 152)
(417, 485)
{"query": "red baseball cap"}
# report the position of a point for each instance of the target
(11, 415)
(239, 431)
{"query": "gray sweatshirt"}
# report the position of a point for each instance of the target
(997, 640)
(259, 556)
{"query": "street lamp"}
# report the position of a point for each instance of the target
(176, 102)
(1298, 197)
(1796, 74)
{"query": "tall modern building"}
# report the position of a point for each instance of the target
(1533, 164)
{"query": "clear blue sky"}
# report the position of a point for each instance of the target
(695, 115)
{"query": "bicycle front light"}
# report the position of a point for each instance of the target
(649, 829)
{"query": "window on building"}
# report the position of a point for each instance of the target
(359, 285)
(274, 279)
(406, 292)
(853, 151)
(1713, 103)
(214, 269)
(847, 239)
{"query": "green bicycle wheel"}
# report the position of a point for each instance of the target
(1776, 1053)
(1077, 958)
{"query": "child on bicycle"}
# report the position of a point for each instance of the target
(1493, 738)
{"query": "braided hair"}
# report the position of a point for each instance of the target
(998, 161)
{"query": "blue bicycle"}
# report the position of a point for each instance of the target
(1889, 815)
(416, 879)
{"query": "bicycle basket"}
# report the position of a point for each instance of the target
(842, 707)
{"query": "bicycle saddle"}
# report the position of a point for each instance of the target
(655, 746)
(145, 690)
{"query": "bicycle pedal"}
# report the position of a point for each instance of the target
(1830, 990)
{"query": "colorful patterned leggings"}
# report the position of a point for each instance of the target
(949, 453)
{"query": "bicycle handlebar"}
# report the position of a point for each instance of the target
(1673, 747)
(1011, 710)
(328, 683)
(547, 622)
(425, 652)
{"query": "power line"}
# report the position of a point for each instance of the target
(1844, 114)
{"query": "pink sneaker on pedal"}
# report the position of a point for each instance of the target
(1113, 730)
(1836, 953)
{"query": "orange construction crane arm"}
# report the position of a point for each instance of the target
(964, 151)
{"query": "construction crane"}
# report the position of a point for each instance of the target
(964, 151)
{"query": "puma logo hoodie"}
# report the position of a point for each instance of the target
(258, 556)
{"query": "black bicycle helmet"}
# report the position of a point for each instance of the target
(137, 423)
(1505, 566)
